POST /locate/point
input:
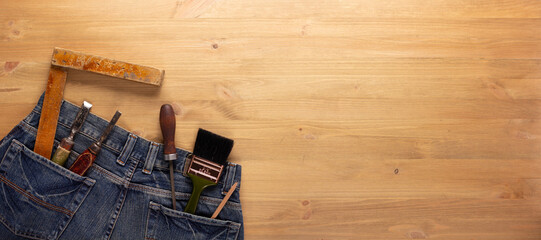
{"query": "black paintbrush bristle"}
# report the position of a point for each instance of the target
(212, 147)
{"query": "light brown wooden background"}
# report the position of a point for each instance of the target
(352, 119)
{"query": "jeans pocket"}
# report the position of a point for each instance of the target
(165, 223)
(38, 198)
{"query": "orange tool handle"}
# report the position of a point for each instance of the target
(83, 162)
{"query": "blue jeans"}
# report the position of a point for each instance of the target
(124, 195)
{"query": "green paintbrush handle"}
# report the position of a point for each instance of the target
(60, 156)
(198, 185)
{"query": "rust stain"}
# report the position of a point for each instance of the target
(66, 58)
(10, 66)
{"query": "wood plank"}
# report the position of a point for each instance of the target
(397, 219)
(277, 38)
(265, 80)
(362, 140)
(331, 109)
(171, 9)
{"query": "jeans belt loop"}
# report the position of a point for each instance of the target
(127, 149)
(151, 157)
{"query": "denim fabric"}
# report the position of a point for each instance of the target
(124, 195)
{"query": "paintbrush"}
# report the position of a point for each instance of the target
(64, 148)
(206, 164)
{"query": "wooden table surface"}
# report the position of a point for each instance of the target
(352, 119)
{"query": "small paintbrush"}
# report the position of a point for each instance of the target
(206, 164)
(64, 148)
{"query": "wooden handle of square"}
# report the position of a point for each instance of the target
(50, 111)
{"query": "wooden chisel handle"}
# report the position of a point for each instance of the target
(168, 124)
(83, 162)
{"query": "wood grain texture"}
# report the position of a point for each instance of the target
(352, 119)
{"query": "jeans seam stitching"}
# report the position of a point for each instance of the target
(146, 225)
(111, 176)
(191, 218)
(56, 168)
(34, 198)
(18, 232)
(79, 206)
(6, 153)
(118, 215)
(121, 181)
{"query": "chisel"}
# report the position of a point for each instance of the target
(85, 160)
(168, 125)
(64, 148)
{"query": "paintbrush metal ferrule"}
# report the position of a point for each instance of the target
(205, 168)
(170, 157)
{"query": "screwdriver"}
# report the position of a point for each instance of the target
(167, 124)
(64, 148)
(85, 160)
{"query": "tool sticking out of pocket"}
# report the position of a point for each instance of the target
(206, 164)
(85, 159)
(64, 59)
(224, 201)
(64, 148)
(168, 125)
